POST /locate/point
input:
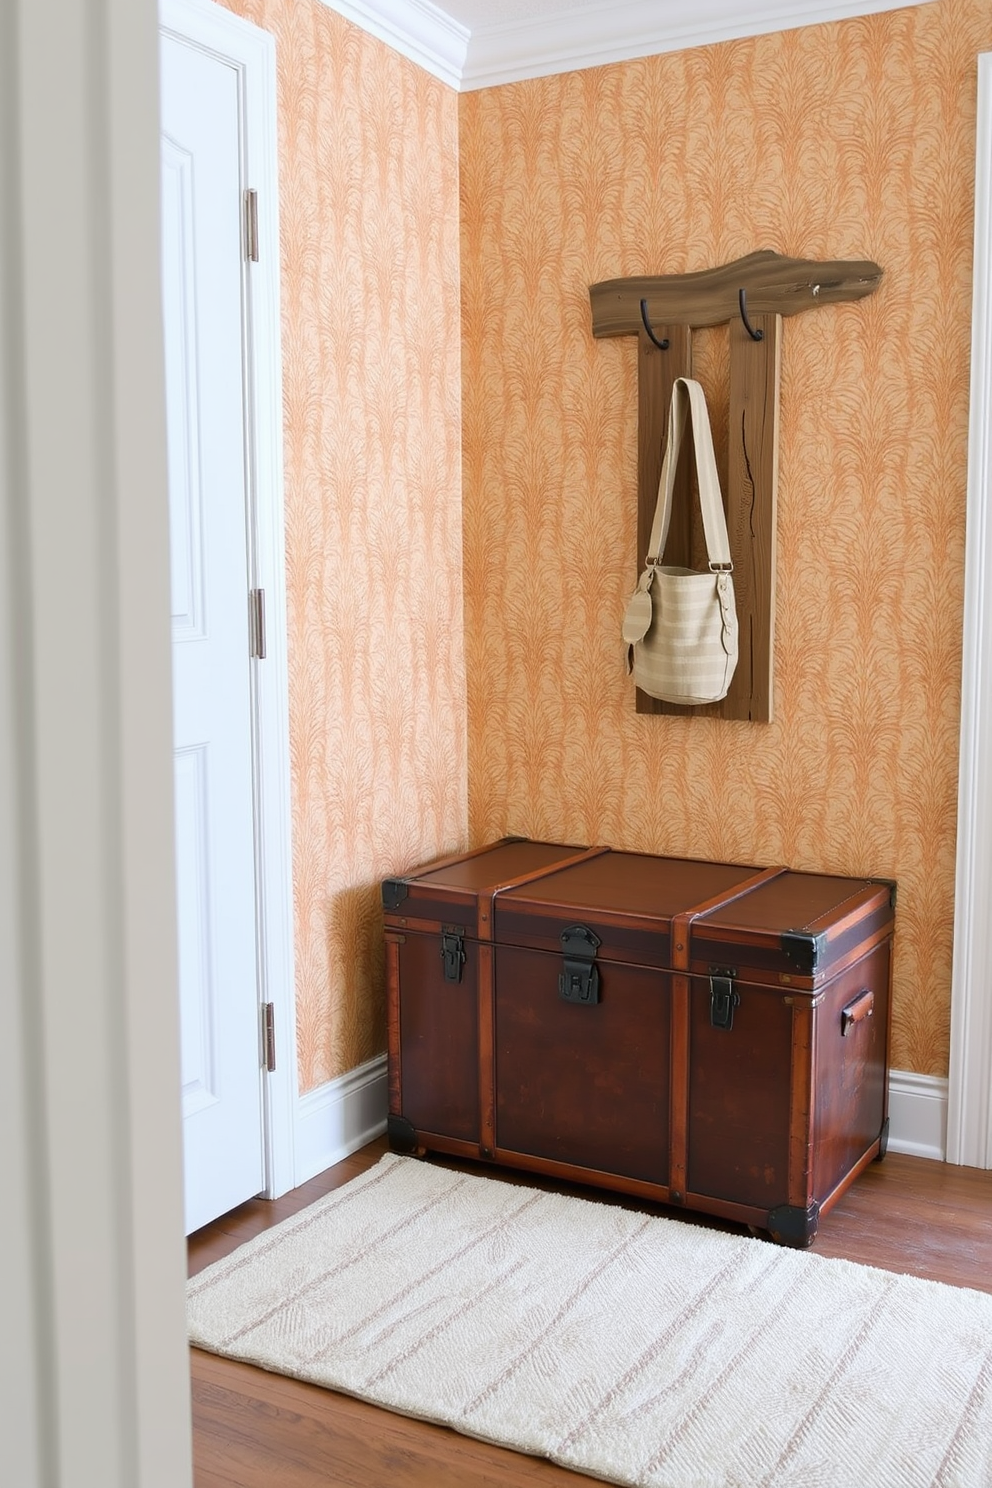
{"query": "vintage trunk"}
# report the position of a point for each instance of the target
(702, 1034)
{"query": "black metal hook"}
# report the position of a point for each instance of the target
(661, 345)
(742, 301)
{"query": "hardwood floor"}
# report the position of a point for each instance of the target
(258, 1430)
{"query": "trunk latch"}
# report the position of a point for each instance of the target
(723, 998)
(579, 982)
(452, 954)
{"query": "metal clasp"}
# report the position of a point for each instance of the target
(579, 982)
(723, 998)
(452, 954)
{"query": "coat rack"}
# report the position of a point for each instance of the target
(753, 294)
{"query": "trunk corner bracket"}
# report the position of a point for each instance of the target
(795, 1227)
(394, 891)
(803, 950)
(401, 1133)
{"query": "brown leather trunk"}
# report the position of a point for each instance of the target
(701, 1034)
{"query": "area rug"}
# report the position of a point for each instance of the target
(635, 1349)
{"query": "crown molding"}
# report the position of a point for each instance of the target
(598, 33)
(603, 33)
(417, 29)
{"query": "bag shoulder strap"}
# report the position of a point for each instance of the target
(688, 397)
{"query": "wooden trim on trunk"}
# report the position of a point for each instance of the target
(487, 1048)
(394, 1043)
(678, 1120)
(594, 1177)
(863, 1162)
(448, 1146)
(801, 1096)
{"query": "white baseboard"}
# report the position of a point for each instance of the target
(917, 1114)
(337, 1118)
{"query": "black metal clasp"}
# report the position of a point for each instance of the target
(723, 998)
(579, 982)
(452, 954)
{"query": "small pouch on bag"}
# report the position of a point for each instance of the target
(680, 626)
(637, 619)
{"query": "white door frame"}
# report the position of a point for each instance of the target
(251, 52)
(96, 1383)
(969, 1115)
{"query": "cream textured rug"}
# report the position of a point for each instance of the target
(636, 1349)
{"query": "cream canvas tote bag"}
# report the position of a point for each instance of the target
(681, 626)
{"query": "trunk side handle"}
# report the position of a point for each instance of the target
(857, 1010)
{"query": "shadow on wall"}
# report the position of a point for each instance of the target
(351, 1026)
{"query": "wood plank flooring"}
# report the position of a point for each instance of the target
(258, 1430)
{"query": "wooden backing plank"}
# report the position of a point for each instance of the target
(750, 488)
(656, 373)
(775, 285)
(752, 496)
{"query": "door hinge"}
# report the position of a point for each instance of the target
(251, 226)
(256, 623)
(269, 1036)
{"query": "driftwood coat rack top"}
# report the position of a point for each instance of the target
(753, 294)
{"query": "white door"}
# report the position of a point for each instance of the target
(206, 379)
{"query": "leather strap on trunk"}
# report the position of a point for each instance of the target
(681, 984)
(487, 988)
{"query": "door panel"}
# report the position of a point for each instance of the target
(198, 989)
(205, 379)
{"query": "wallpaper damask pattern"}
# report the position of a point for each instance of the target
(368, 162)
(851, 140)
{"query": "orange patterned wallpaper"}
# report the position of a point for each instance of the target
(368, 161)
(850, 140)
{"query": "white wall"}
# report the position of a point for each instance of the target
(94, 1392)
